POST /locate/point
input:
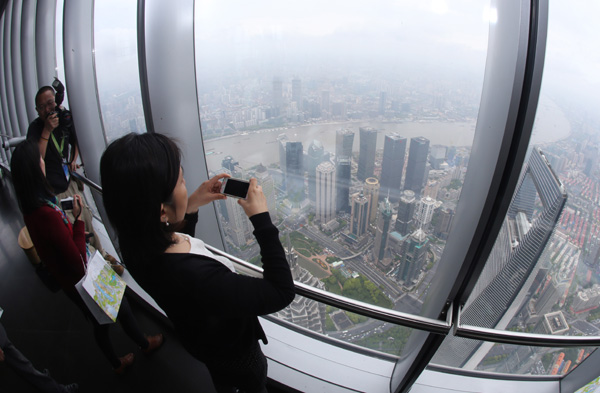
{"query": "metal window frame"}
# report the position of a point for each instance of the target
(28, 59)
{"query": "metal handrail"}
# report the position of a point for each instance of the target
(358, 307)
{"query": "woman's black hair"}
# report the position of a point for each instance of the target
(30, 184)
(138, 173)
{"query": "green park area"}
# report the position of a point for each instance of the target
(359, 288)
(304, 245)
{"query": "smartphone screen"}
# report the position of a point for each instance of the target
(235, 188)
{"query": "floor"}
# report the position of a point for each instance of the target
(49, 330)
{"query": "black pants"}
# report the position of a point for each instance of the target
(101, 332)
(246, 372)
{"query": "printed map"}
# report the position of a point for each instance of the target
(104, 286)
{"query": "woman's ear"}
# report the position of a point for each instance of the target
(163, 214)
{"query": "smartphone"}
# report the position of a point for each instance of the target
(67, 203)
(235, 188)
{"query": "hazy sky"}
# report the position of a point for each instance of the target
(438, 38)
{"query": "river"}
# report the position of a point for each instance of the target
(261, 146)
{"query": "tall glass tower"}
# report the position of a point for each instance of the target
(366, 154)
(512, 266)
(294, 175)
(417, 164)
(314, 156)
(392, 166)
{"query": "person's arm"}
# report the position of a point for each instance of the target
(222, 292)
(208, 191)
(50, 124)
(73, 166)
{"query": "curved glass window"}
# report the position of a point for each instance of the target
(358, 123)
(542, 275)
(117, 72)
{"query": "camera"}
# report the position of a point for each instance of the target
(65, 118)
(67, 203)
(235, 187)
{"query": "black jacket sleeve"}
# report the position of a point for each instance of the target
(224, 293)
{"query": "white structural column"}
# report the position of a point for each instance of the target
(167, 61)
(81, 82)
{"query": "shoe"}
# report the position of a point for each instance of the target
(70, 388)
(154, 342)
(126, 361)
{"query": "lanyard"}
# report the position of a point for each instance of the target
(62, 144)
(62, 213)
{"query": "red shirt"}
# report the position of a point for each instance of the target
(60, 247)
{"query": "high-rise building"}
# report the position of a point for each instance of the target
(366, 154)
(325, 103)
(343, 182)
(424, 212)
(294, 174)
(392, 166)
(360, 215)
(282, 139)
(442, 228)
(314, 156)
(344, 139)
(382, 102)
(265, 180)
(406, 211)
(237, 227)
(277, 94)
(325, 190)
(437, 156)
(383, 230)
(414, 252)
(371, 192)
(513, 263)
(297, 92)
(416, 167)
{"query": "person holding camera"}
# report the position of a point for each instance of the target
(60, 243)
(214, 310)
(54, 132)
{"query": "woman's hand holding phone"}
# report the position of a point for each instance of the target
(255, 202)
(77, 206)
(208, 191)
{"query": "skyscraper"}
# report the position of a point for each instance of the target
(513, 263)
(277, 94)
(325, 201)
(417, 164)
(294, 175)
(366, 154)
(392, 166)
(314, 156)
(371, 192)
(406, 211)
(297, 92)
(359, 215)
(382, 102)
(325, 104)
(268, 186)
(424, 212)
(344, 140)
(343, 183)
(383, 230)
(414, 252)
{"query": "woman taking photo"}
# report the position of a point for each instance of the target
(214, 310)
(61, 246)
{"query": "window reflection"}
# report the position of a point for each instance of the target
(115, 41)
(358, 124)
